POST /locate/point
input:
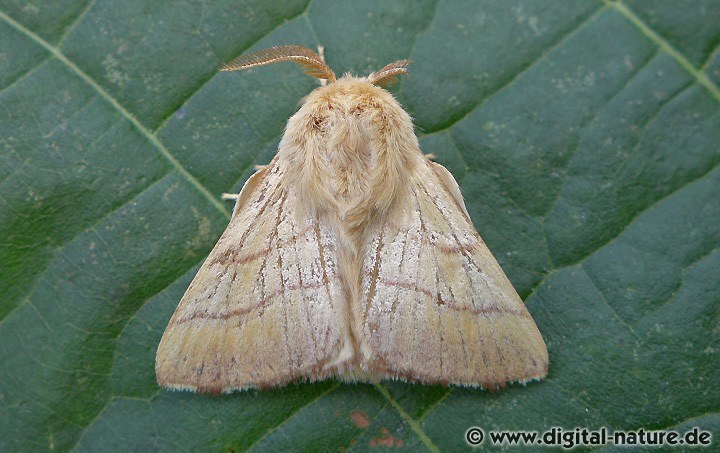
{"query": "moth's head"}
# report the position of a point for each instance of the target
(346, 97)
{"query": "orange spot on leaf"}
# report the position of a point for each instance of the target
(386, 440)
(360, 419)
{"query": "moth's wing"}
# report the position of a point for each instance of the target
(264, 307)
(437, 307)
(448, 181)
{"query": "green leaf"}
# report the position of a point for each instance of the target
(584, 135)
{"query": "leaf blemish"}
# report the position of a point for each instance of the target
(360, 419)
(386, 440)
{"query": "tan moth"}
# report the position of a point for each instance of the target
(351, 255)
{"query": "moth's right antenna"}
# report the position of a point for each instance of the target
(308, 59)
(388, 74)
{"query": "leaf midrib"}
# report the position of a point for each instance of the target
(150, 136)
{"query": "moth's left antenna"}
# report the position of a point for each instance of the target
(308, 59)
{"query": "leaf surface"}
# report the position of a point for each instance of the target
(584, 136)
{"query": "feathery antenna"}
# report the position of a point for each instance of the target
(388, 74)
(308, 59)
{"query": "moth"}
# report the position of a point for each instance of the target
(351, 255)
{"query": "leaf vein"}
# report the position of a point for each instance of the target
(202, 84)
(524, 70)
(699, 75)
(75, 23)
(150, 136)
(628, 225)
(25, 75)
(291, 416)
(593, 121)
(92, 227)
(607, 303)
(414, 425)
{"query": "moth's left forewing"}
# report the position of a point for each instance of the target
(264, 308)
(248, 189)
(436, 306)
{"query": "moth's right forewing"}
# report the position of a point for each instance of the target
(436, 306)
(263, 309)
